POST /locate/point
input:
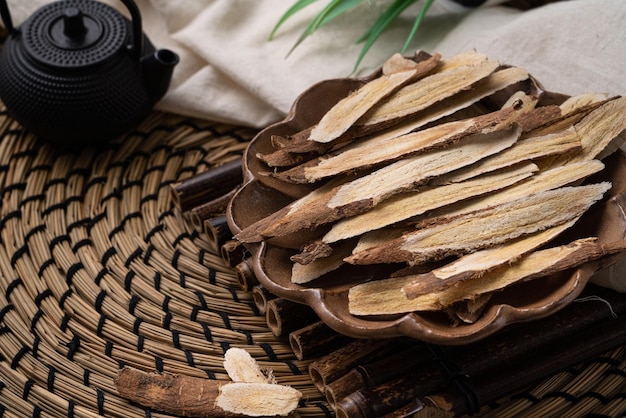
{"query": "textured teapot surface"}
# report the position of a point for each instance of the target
(78, 71)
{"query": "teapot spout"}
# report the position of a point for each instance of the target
(157, 72)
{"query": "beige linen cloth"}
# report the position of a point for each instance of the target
(230, 72)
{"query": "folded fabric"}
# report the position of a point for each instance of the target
(571, 47)
(231, 72)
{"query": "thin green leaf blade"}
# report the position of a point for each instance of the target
(416, 24)
(296, 7)
(339, 10)
(384, 20)
(331, 11)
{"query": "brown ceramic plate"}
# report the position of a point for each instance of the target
(328, 296)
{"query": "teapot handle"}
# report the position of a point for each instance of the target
(6, 16)
(135, 15)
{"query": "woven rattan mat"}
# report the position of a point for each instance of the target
(98, 269)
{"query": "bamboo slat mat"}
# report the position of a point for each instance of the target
(98, 269)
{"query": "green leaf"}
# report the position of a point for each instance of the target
(382, 23)
(341, 9)
(416, 24)
(296, 7)
(333, 9)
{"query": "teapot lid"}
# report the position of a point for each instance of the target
(74, 33)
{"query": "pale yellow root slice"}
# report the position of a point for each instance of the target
(398, 63)
(581, 101)
(479, 263)
(411, 204)
(526, 149)
(404, 174)
(470, 57)
(385, 296)
(521, 98)
(550, 179)
(489, 227)
(381, 149)
(559, 176)
(242, 367)
(380, 237)
(304, 273)
(495, 82)
(469, 311)
(598, 130)
(427, 91)
(349, 109)
(258, 399)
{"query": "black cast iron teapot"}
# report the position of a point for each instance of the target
(79, 72)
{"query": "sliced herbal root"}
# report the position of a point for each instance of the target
(495, 82)
(469, 311)
(242, 367)
(258, 399)
(544, 180)
(463, 59)
(360, 195)
(406, 174)
(528, 149)
(411, 204)
(582, 101)
(479, 263)
(366, 192)
(600, 127)
(304, 273)
(377, 150)
(348, 110)
(386, 297)
(597, 130)
(427, 91)
(253, 232)
(485, 228)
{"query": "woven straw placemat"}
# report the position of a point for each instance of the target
(98, 269)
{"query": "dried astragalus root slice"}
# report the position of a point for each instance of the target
(242, 367)
(258, 399)
(491, 226)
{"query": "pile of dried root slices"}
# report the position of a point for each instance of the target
(413, 169)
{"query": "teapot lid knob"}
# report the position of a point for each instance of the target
(74, 23)
(74, 30)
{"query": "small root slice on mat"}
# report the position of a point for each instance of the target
(254, 393)
(242, 367)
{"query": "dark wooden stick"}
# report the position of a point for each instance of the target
(531, 369)
(245, 275)
(211, 209)
(218, 231)
(232, 253)
(477, 359)
(393, 395)
(377, 372)
(339, 362)
(260, 296)
(207, 186)
(315, 340)
(284, 316)
(417, 408)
